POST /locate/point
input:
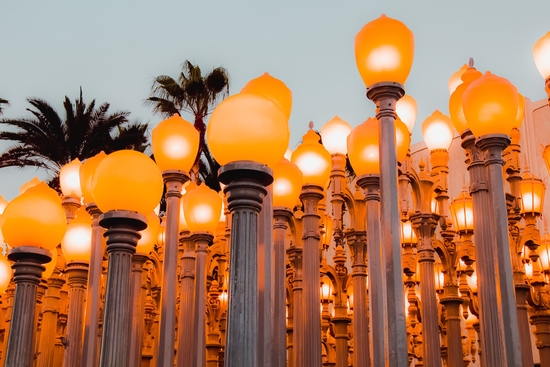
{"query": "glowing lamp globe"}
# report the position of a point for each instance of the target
(5, 273)
(3, 204)
(69, 179)
(521, 111)
(335, 134)
(287, 184)
(406, 109)
(402, 139)
(248, 127)
(77, 242)
(175, 144)
(313, 160)
(202, 207)
(490, 105)
(456, 110)
(438, 131)
(35, 181)
(456, 79)
(384, 51)
(149, 235)
(87, 170)
(272, 88)
(408, 235)
(462, 213)
(50, 267)
(363, 148)
(288, 153)
(541, 55)
(127, 180)
(532, 194)
(35, 218)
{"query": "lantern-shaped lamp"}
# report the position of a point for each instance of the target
(335, 134)
(326, 292)
(69, 179)
(272, 88)
(544, 252)
(363, 148)
(202, 207)
(27, 185)
(472, 282)
(541, 55)
(456, 109)
(287, 184)
(408, 235)
(406, 109)
(77, 242)
(462, 213)
(313, 159)
(87, 170)
(438, 131)
(456, 79)
(175, 143)
(532, 194)
(439, 277)
(384, 51)
(127, 180)
(149, 235)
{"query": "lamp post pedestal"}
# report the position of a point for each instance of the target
(246, 182)
(122, 235)
(138, 309)
(28, 270)
(77, 278)
(385, 95)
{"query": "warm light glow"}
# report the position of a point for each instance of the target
(455, 79)
(50, 267)
(541, 54)
(335, 134)
(5, 273)
(472, 282)
(288, 154)
(25, 222)
(149, 236)
(363, 150)
(162, 231)
(287, 184)
(402, 140)
(272, 88)
(490, 105)
(384, 51)
(462, 212)
(439, 277)
(313, 160)
(35, 181)
(528, 270)
(223, 298)
(532, 194)
(87, 170)
(3, 204)
(521, 111)
(175, 143)
(438, 131)
(69, 179)
(408, 235)
(544, 252)
(77, 242)
(325, 292)
(248, 127)
(406, 109)
(456, 110)
(123, 176)
(201, 208)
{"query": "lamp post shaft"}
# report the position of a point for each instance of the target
(201, 241)
(295, 255)
(246, 182)
(266, 343)
(371, 186)
(452, 301)
(138, 309)
(90, 350)
(340, 322)
(77, 277)
(187, 306)
(174, 181)
(493, 145)
(386, 95)
(28, 269)
(522, 290)
(49, 320)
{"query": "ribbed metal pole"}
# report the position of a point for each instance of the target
(138, 309)
(77, 278)
(187, 304)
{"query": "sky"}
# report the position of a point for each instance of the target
(114, 49)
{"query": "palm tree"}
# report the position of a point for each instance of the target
(47, 141)
(198, 95)
(3, 101)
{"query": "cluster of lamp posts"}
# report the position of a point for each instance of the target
(248, 134)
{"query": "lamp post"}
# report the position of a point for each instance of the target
(384, 54)
(175, 143)
(118, 180)
(30, 249)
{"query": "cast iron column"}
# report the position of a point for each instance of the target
(385, 95)
(187, 307)
(246, 182)
(266, 342)
(452, 301)
(122, 235)
(493, 145)
(295, 256)
(27, 271)
(201, 241)
(138, 309)
(77, 277)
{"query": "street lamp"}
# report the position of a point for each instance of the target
(406, 109)
(32, 236)
(541, 54)
(456, 79)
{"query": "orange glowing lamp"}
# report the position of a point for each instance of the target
(77, 242)
(406, 109)
(202, 207)
(438, 131)
(69, 179)
(5, 273)
(334, 134)
(456, 109)
(363, 148)
(408, 236)
(456, 79)
(541, 55)
(175, 143)
(313, 159)
(127, 180)
(35, 181)
(272, 88)
(384, 50)
(87, 170)
(521, 111)
(402, 139)
(462, 213)
(532, 194)
(149, 235)
(287, 184)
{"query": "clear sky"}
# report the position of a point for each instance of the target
(114, 49)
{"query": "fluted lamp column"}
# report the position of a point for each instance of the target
(76, 247)
(490, 106)
(202, 209)
(126, 186)
(175, 144)
(32, 237)
(247, 134)
(384, 53)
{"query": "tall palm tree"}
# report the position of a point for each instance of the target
(198, 94)
(48, 141)
(3, 101)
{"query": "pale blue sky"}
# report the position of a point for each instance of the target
(114, 49)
